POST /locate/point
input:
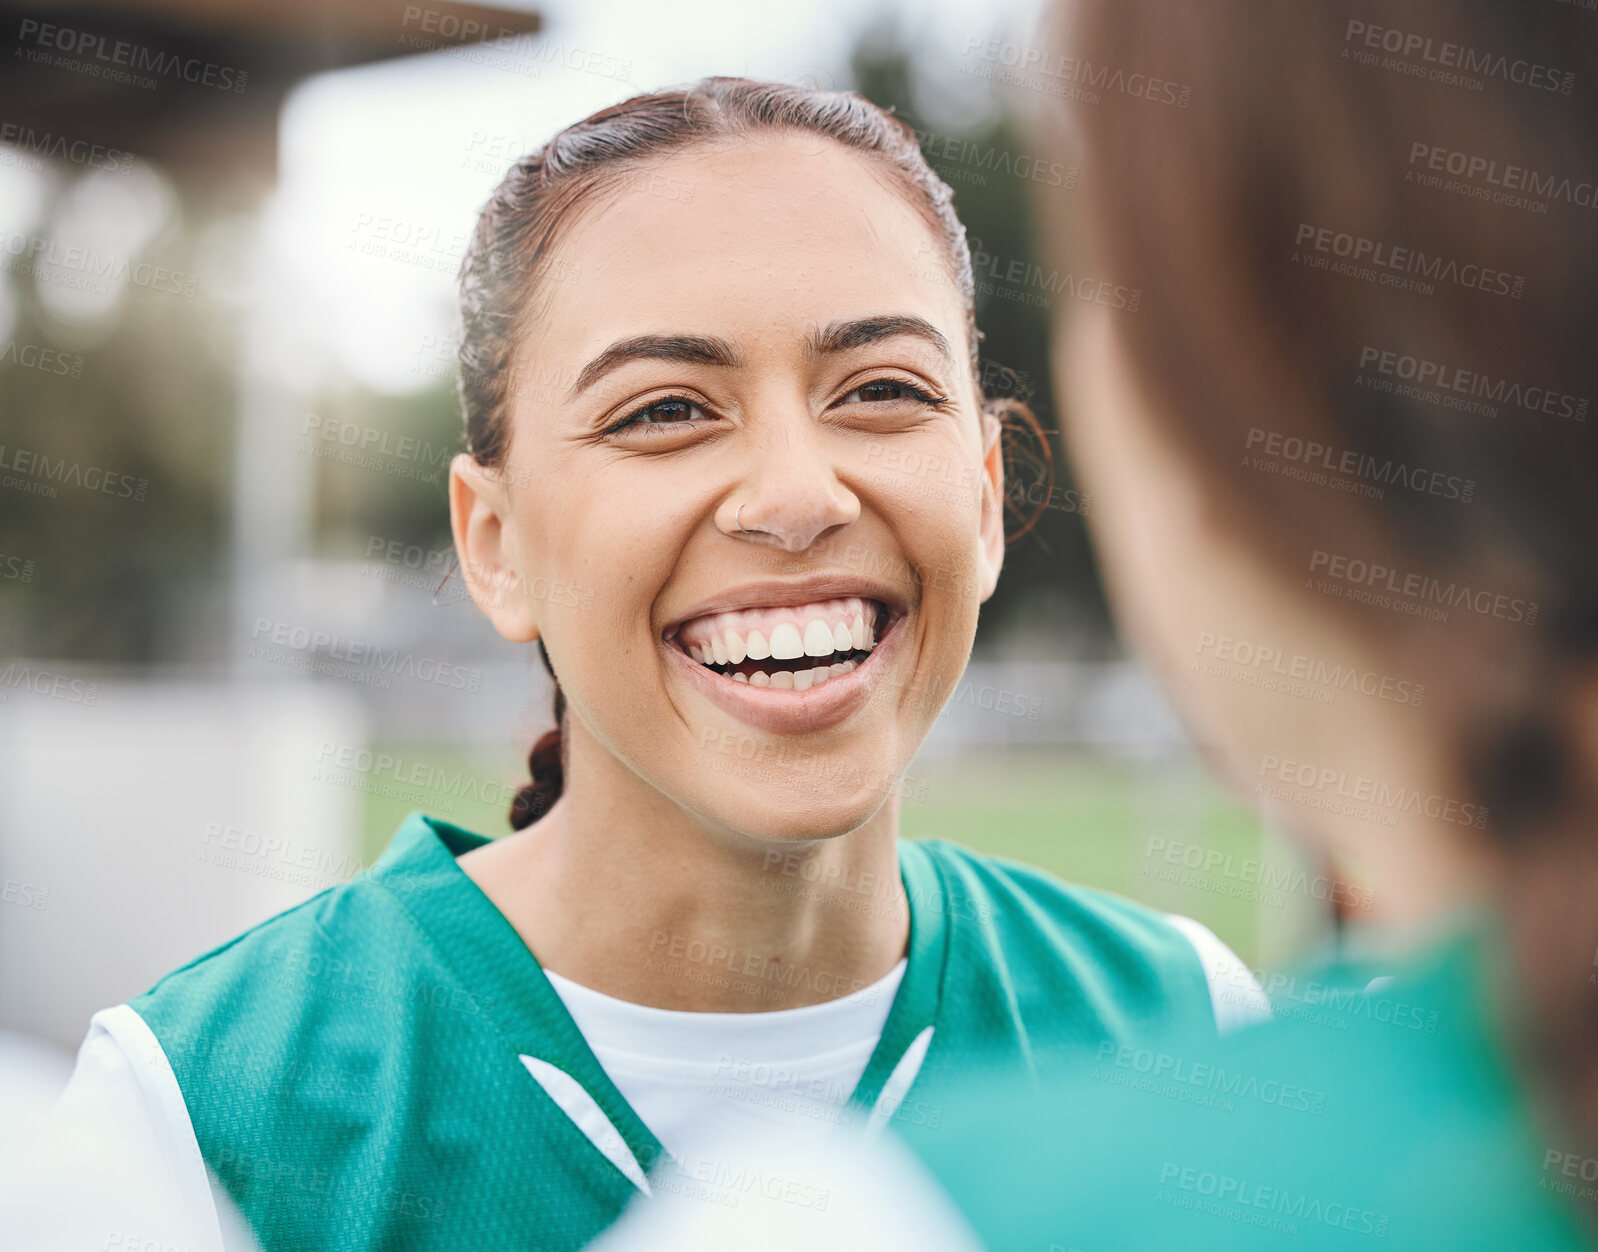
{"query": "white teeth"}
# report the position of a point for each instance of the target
(818, 638)
(785, 643)
(822, 636)
(799, 679)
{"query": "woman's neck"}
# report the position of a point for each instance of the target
(622, 890)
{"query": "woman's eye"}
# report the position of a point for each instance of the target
(667, 412)
(889, 389)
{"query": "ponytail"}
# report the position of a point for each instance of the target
(547, 762)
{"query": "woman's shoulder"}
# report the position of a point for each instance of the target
(1060, 937)
(1015, 895)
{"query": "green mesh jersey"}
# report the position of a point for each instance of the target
(1372, 1113)
(386, 1065)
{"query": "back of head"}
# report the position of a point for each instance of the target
(1369, 229)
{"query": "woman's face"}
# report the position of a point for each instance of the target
(762, 333)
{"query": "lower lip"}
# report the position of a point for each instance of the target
(782, 712)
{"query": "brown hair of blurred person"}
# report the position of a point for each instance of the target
(1278, 122)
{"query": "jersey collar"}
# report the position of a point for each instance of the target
(488, 956)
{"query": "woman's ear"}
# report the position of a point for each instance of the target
(485, 542)
(990, 556)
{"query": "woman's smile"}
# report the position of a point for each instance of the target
(789, 657)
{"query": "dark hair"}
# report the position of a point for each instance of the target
(512, 247)
(1213, 196)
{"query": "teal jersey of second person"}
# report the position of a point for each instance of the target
(1369, 1114)
(386, 1065)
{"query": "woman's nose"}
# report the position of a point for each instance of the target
(793, 500)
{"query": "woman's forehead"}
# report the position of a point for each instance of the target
(770, 238)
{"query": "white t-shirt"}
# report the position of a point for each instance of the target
(120, 1153)
(695, 1078)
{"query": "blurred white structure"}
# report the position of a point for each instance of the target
(141, 830)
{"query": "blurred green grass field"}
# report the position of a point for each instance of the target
(1103, 823)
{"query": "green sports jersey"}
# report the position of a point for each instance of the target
(1371, 1113)
(386, 1064)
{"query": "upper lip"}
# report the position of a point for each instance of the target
(775, 592)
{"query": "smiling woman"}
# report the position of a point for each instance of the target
(709, 413)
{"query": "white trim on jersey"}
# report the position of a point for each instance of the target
(898, 1084)
(1236, 997)
(588, 1117)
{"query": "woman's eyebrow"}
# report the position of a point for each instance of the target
(689, 349)
(708, 350)
(842, 336)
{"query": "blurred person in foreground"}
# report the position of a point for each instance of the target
(1347, 431)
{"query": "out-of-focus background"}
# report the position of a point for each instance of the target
(230, 662)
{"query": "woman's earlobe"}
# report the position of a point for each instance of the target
(991, 556)
(486, 551)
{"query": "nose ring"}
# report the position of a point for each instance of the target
(739, 524)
